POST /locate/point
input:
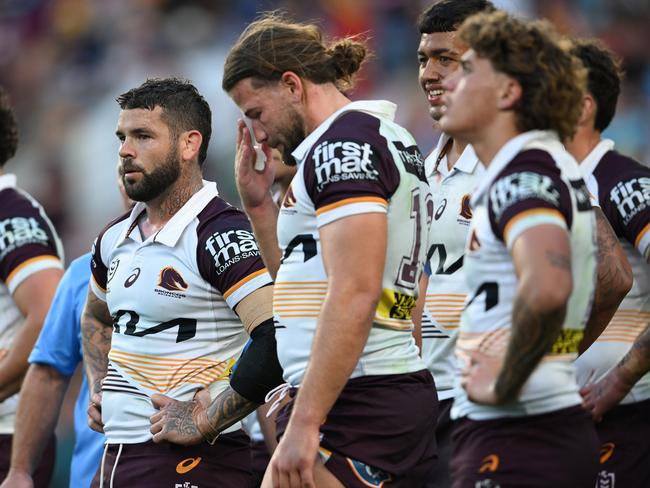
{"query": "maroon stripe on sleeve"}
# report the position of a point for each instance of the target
(97, 265)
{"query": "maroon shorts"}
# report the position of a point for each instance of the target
(227, 464)
(625, 447)
(557, 449)
(44, 470)
(378, 433)
(260, 458)
(440, 475)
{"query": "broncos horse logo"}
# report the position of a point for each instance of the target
(171, 280)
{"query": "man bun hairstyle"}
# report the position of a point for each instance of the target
(273, 45)
(8, 130)
(448, 15)
(604, 77)
(552, 80)
(183, 107)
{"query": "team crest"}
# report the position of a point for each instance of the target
(289, 199)
(465, 208)
(172, 282)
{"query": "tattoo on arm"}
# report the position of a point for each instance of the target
(227, 408)
(636, 363)
(558, 260)
(533, 334)
(97, 331)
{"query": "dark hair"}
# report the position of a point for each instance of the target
(183, 106)
(8, 129)
(273, 45)
(552, 80)
(603, 78)
(447, 15)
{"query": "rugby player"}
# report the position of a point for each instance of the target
(346, 252)
(31, 265)
(622, 187)
(53, 361)
(530, 262)
(453, 171)
(177, 283)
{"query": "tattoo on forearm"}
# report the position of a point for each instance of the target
(227, 408)
(636, 363)
(532, 336)
(97, 331)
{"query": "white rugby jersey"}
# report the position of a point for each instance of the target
(357, 161)
(531, 181)
(447, 290)
(622, 189)
(172, 297)
(28, 244)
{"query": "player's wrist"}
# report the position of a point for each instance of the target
(208, 432)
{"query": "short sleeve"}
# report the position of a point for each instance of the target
(228, 255)
(99, 254)
(58, 344)
(351, 170)
(530, 192)
(28, 241)
(627, 206)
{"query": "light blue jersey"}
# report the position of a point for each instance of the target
(59, 346)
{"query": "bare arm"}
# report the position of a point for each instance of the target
(96, 334)
(254, 188)
(418, 310)
(605, 394)
(542, 260)
(613, 283)
(267, 425)
(33, 297)
(43, 385)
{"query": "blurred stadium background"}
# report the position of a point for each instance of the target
(63, 63)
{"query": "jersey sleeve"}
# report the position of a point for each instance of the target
(350, 170)
(627, 207)
(98, 270)
(229, 258)
(527, 194)
(28, 241)
(58, 344)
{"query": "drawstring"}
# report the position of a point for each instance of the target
(117, 458)
(101, 469)
(281, 391)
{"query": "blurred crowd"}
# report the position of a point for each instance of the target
(63, 62)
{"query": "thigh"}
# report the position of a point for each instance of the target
(322, 477)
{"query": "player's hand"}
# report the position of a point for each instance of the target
(600, 397)
(178, 422)
(479, 377)
(254, 186)
(95, 413)
(292, 464)
(17, 480)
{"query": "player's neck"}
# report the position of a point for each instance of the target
(163, 208)
(323, 100)
(455, 152)
(584, 141)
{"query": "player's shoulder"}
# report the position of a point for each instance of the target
(532, 160)
(115, 225)
(615, 167)
(17, 203)
(218, 214)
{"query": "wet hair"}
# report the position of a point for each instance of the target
(448, 15)
(8, 130)
(552, 80)
(604, 76)
(183, 106)
(273, 45)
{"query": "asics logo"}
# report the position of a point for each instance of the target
(187, 465)
(132, 278)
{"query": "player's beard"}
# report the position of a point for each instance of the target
(292, 135)
(153, 184)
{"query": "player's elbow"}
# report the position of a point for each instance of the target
(547, 296)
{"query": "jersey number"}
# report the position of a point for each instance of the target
(186, 327)
(442, 252)
(407, 273)
(308, 246)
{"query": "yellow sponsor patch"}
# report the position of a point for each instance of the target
(395, 305)
(567, 341)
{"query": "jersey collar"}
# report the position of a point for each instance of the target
(467, 162)
(378, 108)
(507, 153)
(7, 181)
(173, 229)
(588, 165)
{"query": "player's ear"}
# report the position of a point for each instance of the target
(190, 144)
(508, 93)
(294, 84)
